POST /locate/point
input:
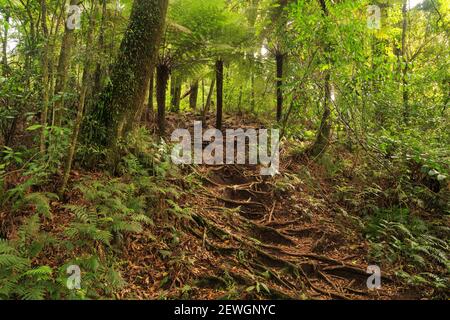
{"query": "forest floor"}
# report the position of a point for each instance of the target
(237, 235)
(253, 236)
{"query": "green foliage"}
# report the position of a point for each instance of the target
(41, 202)
(410, 244)
(18, 278)
(114, 209)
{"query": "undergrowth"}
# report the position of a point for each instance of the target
(101, 214)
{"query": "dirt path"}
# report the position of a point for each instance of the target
(252, 237)
(270, 238)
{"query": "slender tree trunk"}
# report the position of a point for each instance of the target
(63, 70)
(86, 83)
(162, 78)
(240, 101)
(172, 91)
(142, 111)
(5, 43)
(208, 100)
(405, 62)
(176, 93)
(323, 136)
(253, 99)
(193, 96)
(45, 76)
(219, 76)
(279, 61)
(151, 93)
(203, 94)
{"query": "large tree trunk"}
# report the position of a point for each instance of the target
(162, 78)
(63, 70)
(130, 74)
(193, 96)
(136, 58)
(279, 61)
(323, 136)
(219, 79)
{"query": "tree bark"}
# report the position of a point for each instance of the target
(219, 76)
(162, 78)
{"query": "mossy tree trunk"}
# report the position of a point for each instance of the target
(131, 72)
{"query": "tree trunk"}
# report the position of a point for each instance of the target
(5, 43)
(175, 93)
(86, 83)
(405, 63)
(240, 101)
(99, 70)
(151, 93)
(131, 72)
(323, 136)
(203, 94)
(208, 100)
(45, 77)
(162, 77)
(193, 96)
(253, 99)
(62, 70)
(219, 76)
(279, 60)
(142, 110)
